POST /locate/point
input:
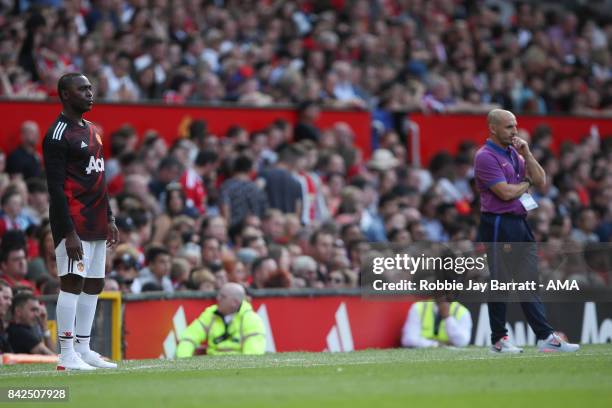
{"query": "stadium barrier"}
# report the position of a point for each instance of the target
(172, 121)
(312, 320)
(446, 132)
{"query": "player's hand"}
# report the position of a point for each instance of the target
(521, 146)
(74, 248)
(113, 235)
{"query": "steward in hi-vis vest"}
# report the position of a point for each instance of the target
(229, 327)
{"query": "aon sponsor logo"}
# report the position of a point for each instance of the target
(96, 165)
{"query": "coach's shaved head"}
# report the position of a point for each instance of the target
(496, 115)
(502, 126)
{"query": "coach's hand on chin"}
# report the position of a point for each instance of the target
(74, 249)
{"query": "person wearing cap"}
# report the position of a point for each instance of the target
(125, 270)
(229, 327)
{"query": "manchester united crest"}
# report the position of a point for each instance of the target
(80, 266)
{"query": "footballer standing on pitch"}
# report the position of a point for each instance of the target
(81, 221)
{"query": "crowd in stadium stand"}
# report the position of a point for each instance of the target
(277, 209)
(439, 55)
(293, 206)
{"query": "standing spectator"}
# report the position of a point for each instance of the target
(25, 160)
(239, 196)
(283, 190)
(306, 128)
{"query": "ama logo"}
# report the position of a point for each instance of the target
(96, 165)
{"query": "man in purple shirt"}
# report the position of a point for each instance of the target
(505, 169)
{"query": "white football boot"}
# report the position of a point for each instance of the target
(72, 361)
(94, 359)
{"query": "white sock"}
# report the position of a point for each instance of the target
(66, 311)
(85, 313)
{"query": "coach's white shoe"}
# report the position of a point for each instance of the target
(72, 361)
(504, 345)
(554, 344)
(94, 359)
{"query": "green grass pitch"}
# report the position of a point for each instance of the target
(374, 378)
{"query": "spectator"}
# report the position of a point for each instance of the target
(6, 299)
(22, 329)
(262, 270)
(240, 196)
(585, 227)
(283, 190)
(306, 128)
(25, 159)
(45, 264)
(12, 217)
(157, 271)
(13, 260)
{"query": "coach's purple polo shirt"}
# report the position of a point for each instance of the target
(492, 165)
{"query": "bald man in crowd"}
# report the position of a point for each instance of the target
(505, 169)
(229, 327)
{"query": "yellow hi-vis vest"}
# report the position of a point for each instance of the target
(243, 335)
(428, 320)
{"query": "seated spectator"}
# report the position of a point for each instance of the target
(157, 272)
(6, 299)
(232, 327)
(12, 217)
(13, 260)
(263, 268)
(202, 279)
(439, 323)
(22, 333)
(45, 264)
(586, 224)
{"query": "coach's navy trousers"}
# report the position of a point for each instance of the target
(518, 262)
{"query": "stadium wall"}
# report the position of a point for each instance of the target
(173, 121)
(446, 132)
(337, 322)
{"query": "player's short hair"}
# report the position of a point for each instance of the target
(155, 251)
(65, 80)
